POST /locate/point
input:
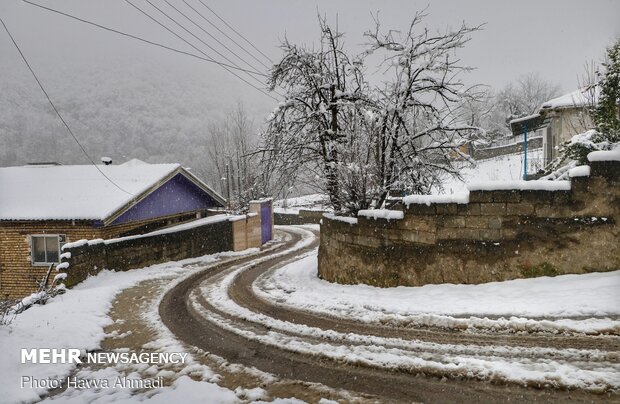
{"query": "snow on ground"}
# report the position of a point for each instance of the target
(296, 285)
(306, 202)
(560, 304)
(501, 168)
(77, 320)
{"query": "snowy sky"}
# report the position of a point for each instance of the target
(554, 38)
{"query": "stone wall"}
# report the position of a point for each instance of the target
(481, 154)
(498, 235)
(185, 241)
(303, 217)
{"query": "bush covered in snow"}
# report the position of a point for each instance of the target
(46, 291)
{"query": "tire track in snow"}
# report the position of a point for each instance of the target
(372, 347)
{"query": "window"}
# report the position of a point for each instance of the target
(46, 249)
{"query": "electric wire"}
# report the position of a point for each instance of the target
(56, 110)
(209, 34)
(235, 31)
(205, 59)
(226, 35)
(189, 32)
(193, 46)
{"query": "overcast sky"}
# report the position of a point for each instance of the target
(554, 38)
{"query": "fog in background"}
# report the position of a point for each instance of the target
(126, 99)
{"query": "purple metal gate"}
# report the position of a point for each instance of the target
(265, 221)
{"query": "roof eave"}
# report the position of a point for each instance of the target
(179, 170)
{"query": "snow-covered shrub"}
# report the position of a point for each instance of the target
(9, 310)
(6, 313)
(578, 147)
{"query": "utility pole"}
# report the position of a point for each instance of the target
(238, 179)
(525, 152)
(228, 186)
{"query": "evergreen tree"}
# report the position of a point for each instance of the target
(606, 112)
(604, 115)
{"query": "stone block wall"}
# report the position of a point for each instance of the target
(532, 144)
(498, 235)
(231, 234)
(303, 217)
(140, 251)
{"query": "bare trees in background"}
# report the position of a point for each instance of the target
(520, 98)
(230, 164)
(360, 142)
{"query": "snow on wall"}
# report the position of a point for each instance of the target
(174, 229)
(428, 199)
(345, 219)
(580, 171)
(520, 185)
(606, 155)
(483, 238)
(381, 214)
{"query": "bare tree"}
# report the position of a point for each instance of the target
(523, 97)
(362, 142)
(322, 87)
(420, 109)
(231, 163)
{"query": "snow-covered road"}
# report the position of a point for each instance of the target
(528, 333)
(261, 325)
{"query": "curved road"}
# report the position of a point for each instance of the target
(190, 315)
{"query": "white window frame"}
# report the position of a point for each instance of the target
(60, 244)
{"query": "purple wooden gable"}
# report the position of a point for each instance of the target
(178, 195)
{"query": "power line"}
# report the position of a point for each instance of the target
(202, 29)
(205, 59)
(235, 31)
(186, 30)
(209, 34)
(225, 34)
(193, 46)
(56, 110)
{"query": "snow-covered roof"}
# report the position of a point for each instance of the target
(579, 98)
(525, 118)
(80, 192)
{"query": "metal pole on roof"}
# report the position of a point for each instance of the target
(525, 152)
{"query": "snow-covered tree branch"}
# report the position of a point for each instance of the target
(368, 141)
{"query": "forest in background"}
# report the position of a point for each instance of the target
(147, 113)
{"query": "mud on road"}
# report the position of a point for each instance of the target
(190, 324)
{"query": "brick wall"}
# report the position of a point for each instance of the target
(19, 278)
(498, 235)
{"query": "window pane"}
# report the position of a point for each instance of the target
(38, 249)
(51, 245)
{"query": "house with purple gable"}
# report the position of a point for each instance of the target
(44, 206)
